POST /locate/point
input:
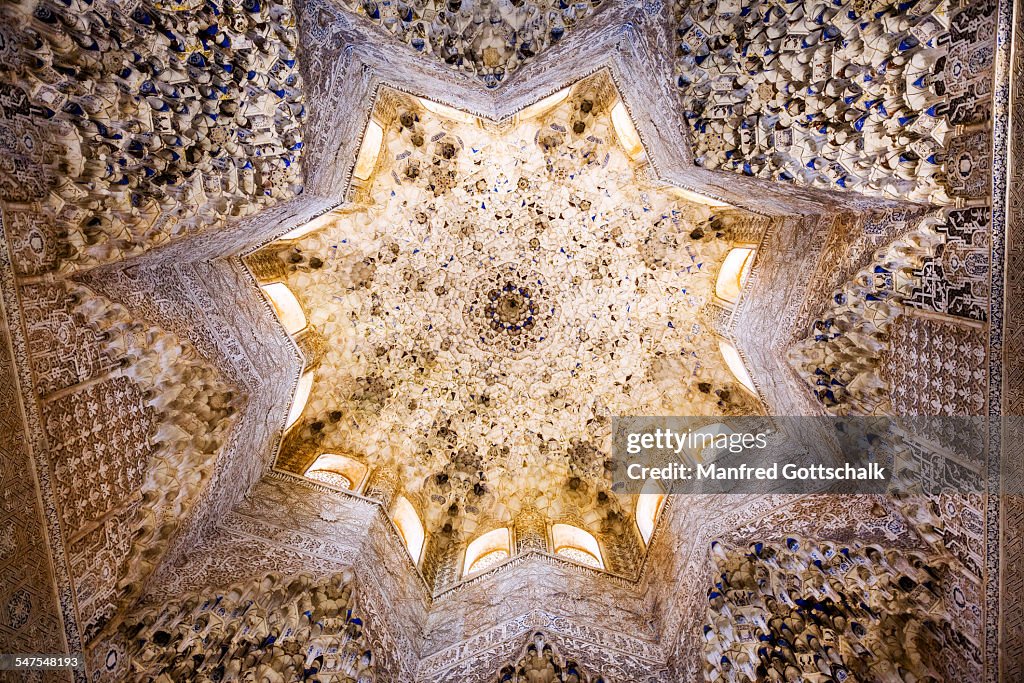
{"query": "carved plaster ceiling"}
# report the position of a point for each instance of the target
(488, 39)
(811, 93)
(498, 291)
(488, 294)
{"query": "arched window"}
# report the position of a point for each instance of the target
(331, 478)
(545, 105)
(697, 198)
(286, 306)
(628, 136)
(576, 544)
(486, 551)
(409, 526)
(444, 111)
(301, 396)
(733, 273)
(311, 226)
(648, 506)
(339, 471)
(369, 151)
(735, 363)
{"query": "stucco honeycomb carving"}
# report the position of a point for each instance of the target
(489, 39)
(131, 125)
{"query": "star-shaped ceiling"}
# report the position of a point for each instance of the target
(493, 295)
(133, 158)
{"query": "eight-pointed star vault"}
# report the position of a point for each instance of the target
(492, 295)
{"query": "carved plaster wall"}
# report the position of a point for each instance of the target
(32, 616)
(65, 210)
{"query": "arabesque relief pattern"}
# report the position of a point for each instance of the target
(131, 126)
(1009, 399)
(30, 614)
(163, 385)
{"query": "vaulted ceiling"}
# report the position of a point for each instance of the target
(501, 281)
(493, 296)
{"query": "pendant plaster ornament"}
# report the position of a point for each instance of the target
(488, 39)
(844, 95)
(167, 119)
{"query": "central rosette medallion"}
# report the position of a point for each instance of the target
(512, 309)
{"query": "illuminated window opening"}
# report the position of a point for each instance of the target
(545, 105)
(628, 136)
(576, 544)
(369, 151)
(447, 112)
(337, 470)
(697, 198)
(487, 550)
(579, 555)
(312, 226)
(648, 507)
(409, 526)
(488, 560)
(331, 478)
(733, 274)
(301, 396)
(735, 364)
(286, 306)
